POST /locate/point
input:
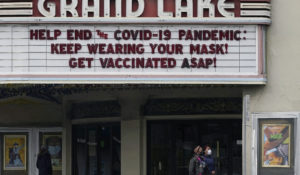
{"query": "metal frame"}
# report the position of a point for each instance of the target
(25, 153)
(30, 144)
(289, 154)
(256, 137)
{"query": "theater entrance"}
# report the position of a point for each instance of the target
(170, 145)
(96, 149)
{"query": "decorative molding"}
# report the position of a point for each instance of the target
(193, 106)
(95, 109)
(22, 12)
(22, 100)
(54, 92)
(6, 5)
(49, 92)
(256, 8)
(16, 8)
(227, 21)
(95, 120)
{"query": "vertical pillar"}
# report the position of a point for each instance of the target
(246, 137)
(34, 147)
(67, 141)
(131, 135)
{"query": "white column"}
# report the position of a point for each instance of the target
(131, 135)
(247, 136)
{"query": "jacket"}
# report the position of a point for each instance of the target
(210, 164)
(194, 166)
(43, 163)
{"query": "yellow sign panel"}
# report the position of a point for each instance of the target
(14, 152)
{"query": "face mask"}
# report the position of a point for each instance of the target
(209, 152)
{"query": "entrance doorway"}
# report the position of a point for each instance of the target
(96, 149)
(170, 145)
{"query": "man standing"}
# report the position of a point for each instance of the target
(43, 162)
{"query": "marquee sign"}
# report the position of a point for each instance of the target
(140, 53)
(133, 41)
(135, 11)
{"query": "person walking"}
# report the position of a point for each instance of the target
(43, 162)
(196, 166)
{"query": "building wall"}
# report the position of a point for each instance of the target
(282, 91)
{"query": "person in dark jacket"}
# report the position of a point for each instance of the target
(43, 162)
(209, 162)
(196, 163)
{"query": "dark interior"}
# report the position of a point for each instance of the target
(170, 145)
(96, 149)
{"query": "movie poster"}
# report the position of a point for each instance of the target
(276, 145)
(14, 152)
(54, 144)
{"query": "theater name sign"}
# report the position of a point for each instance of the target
(141, 41)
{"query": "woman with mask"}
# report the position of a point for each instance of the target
(196, 166)
(209, 161)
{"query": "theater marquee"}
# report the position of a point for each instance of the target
(151, 46)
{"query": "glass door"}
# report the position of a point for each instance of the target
(96, 149)
(53, 141)
(171, 143)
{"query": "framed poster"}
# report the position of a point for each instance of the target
(14, 152)
(54, 144)
(276, 145)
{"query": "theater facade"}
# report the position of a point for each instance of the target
(131, 87)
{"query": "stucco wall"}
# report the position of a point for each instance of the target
(282, 91)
